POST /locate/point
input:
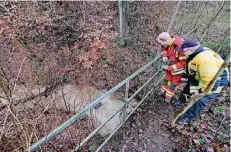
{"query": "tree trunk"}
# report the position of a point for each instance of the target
(123, 14)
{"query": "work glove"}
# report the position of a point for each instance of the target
(195, 93)
(165, 67)
(164, 59)
(184, 78)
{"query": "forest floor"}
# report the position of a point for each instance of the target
(148, 129)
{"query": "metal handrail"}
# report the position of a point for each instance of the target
(109, 118)
(118, 127)
(77, 116)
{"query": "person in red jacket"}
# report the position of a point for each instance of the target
(174, 63)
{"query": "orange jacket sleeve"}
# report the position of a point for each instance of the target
(164, 52)
(180, 64)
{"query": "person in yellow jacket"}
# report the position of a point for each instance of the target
(202, 65)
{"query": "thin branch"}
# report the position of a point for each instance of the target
(3, 126)
(3, 97)
(194, 15)
(193, 30)
(32, 132)
(8, 81)
(211, 21)
(4, 88)
(19, 71)
(221, 124)
(11, 107)
(173, 16)
(200, 14)
(219, 49)
(7, 10)
(21, 126)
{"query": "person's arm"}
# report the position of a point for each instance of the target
(179, 65)
(164, 54)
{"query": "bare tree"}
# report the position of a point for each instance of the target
(123, 13)
(173, 16)
(211, 21)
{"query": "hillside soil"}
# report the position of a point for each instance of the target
(148, 130)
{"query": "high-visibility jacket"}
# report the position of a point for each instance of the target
(176, 58)
(203, 67)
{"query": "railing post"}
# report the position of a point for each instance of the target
(88, 107)
(124, 113)
(126, 90)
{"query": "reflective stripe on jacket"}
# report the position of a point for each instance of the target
(170, 51)
(176, 58)
(204, 66)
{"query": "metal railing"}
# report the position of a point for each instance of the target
(79, 115)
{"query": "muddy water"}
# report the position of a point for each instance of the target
(72, 98)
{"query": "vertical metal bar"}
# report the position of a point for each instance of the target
(96, 130)
(127, 90)
(150, 79)
(118, 127)
(124, 113)
(88, 107)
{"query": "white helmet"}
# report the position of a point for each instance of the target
(164, 39)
